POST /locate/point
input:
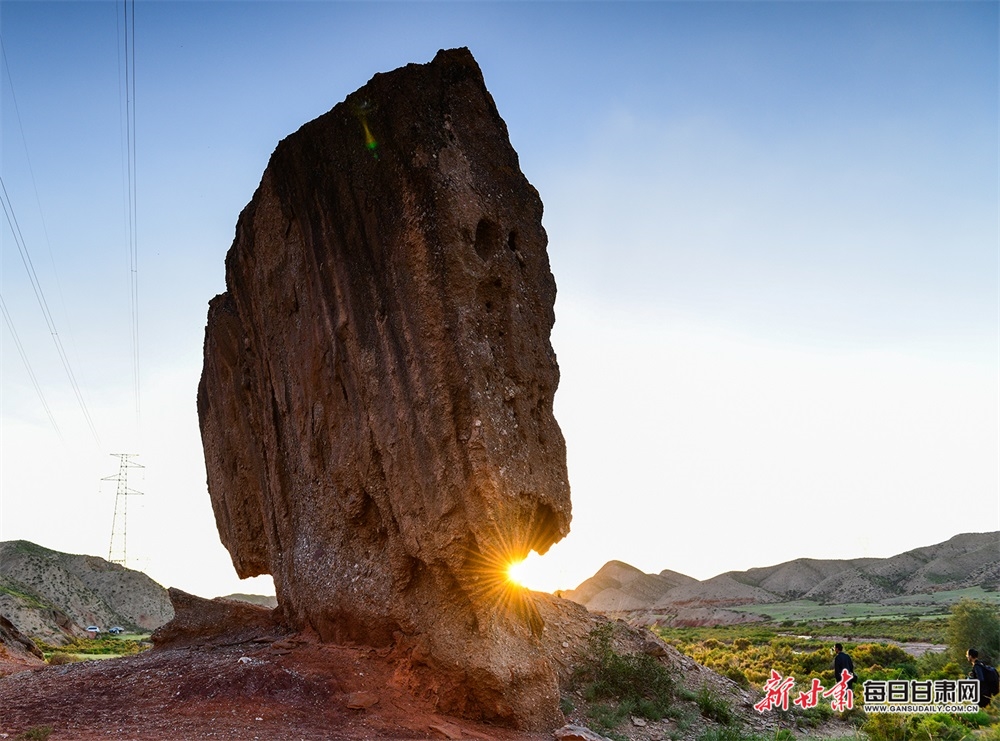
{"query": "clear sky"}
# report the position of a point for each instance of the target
(773, 227)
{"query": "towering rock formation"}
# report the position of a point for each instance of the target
(376, 398)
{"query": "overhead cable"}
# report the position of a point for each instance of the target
(27, 365)
(126, 72)
(22, 248)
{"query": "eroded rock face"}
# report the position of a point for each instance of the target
(199, 621)
(17, 648)
(376, 399)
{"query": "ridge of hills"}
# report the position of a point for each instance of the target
(54, 596)
(969, 559)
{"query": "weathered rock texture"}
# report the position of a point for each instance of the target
(17, 651)
(376, 399)
(200, 622)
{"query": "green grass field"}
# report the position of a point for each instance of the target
(949, 597)
(931, 606)
(85, 649)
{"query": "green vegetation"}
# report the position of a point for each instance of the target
(747, 654)
(905, 630)
(714, 707)
(729, 733)
(802, 610)
(936, 727)
(949, 597)
(83, 649)
(931, 607)
(35, 734)
(31, 549)
(974, 625)
(30, 600)
(619, 686)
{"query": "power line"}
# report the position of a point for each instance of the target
(31, 373)
(6, 313)
(126, 72)
(22, 248)
(34, 184)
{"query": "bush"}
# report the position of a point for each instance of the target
(58, 659)
(974, 625)
(885, 727)
(938, 727)
(881, 654)
(714, 707)
(96, 646)
(41, 733)
(638, 683)
(937, 666)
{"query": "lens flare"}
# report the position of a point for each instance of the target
(361, 111)
(491, 585)
(370, 143)
(516, 573)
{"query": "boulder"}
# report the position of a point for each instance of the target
(17, 651)
(200, 621)
(376, 397)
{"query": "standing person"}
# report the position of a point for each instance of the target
(979, 673)
(842, 661)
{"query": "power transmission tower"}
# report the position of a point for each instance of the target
(117, 551)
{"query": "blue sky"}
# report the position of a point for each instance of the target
(773, 227)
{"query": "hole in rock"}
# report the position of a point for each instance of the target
(487, 239)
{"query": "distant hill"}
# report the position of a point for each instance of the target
(619, 586)
(971, 559)
(269, 601)
(55, 596)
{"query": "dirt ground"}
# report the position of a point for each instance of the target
(282, 688)
(290, 688)
(225, 671)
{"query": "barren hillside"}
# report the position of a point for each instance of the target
(56, 596)
(970, 559)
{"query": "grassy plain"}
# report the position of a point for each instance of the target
(85, 649)
(932, 606)
(796, 641)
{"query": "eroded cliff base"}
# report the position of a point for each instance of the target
(249, 679)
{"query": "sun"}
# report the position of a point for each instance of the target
(528, 573)
(517, 573)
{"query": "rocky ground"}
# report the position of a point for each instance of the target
(258, 682)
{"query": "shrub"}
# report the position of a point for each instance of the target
(736, 674)
(725, 734)
(41, 733)
(879, 654)
(58, 659)
(974, 625)
(885, 727)
(938, 727)
(566, 705)
(638, 683)
(937, 666)
(714, 707)
(100, 646)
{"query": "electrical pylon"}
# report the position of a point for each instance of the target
(119, 531)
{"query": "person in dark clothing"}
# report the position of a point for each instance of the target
(842, 661)
(979, 673)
